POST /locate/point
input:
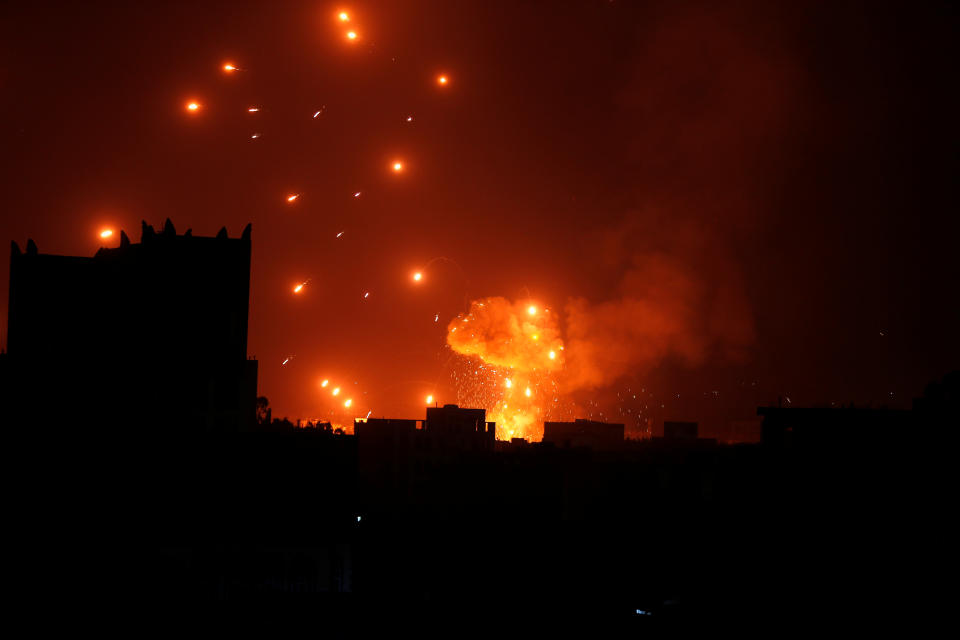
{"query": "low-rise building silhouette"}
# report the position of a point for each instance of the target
(584, 433)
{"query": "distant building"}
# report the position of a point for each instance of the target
(142, 335)
(584, 433)
(680, 430)
(453, 428)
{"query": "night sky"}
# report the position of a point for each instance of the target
(721, 205)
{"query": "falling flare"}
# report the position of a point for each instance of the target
(509, 383)
(344, 17)
(193, 106)
(442, 80)
(430, 399)
(336, 391)
(397, 166)
(351, 35)
(292, 197)
(299, 287)
(324, 383)
(340, 234)
(553, 355)
(255, 136)
(106, 233)
(285, 362)
(417, 276)
(230, 67)
(366, 295)
(532, 310)
(348, 402)
(409, 118)
(356, 195)
(527, 393)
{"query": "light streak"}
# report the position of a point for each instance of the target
(253, 109)
(324, 384)
(106, 233)
(348, 402)
(430, 399)
(292, 197)
(193, 106)
(229, 67)
(336, 391)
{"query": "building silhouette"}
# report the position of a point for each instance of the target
(584, 433)
(673, 430)
(152, 334)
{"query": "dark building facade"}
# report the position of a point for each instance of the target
(147, 334)
(584, 433)
(680, 430)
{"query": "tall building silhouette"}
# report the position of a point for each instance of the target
(152, 334)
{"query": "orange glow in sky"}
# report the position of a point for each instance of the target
(430, 399)
(418, 276)
(442, 80)
(193, 106)
(229, 67)
(398, 166)
(298, 288)
(343, 16)
(292, 197)
(351, 35)
(106, 233)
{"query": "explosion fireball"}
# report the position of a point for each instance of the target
(518, 353)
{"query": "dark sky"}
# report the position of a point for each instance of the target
(730, 203)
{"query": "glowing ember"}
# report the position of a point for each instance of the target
(292, 197)
(106, 233)
(229, 67)
(509, 373)
(253, 109)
